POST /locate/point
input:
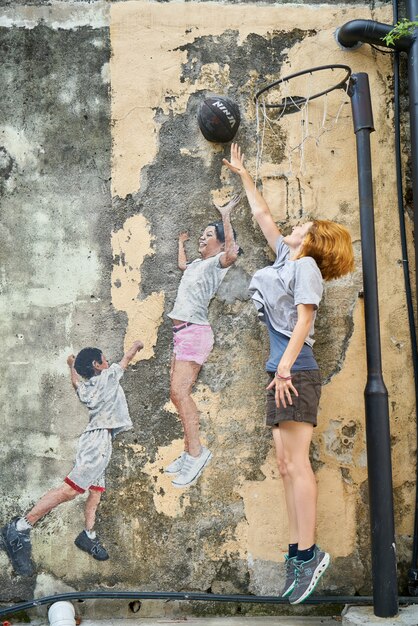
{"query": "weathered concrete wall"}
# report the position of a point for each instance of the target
(103, 165)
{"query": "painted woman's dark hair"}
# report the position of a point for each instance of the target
(220, 233)
(83, 363)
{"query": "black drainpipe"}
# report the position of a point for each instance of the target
(412, 8)
(413, 571)
(379, 466)
(351, 35)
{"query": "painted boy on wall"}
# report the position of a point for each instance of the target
(104, 397)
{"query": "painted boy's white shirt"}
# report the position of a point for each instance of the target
(198, 285)
(105, 400)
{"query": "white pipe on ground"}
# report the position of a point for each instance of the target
(61, 614)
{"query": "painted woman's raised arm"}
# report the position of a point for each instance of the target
(182, 257)
(230, 254)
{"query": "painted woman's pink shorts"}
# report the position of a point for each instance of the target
(192, 342)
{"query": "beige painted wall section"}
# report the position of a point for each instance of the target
(132, 243)
(145, 41)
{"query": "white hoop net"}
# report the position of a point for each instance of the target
(293, 136)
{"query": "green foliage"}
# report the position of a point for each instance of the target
(401, 29)
(20, 617)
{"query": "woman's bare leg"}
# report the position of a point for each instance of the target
(184, 375)
(288, 488)
(296, 438)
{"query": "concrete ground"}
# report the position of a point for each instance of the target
(222, 621)
(205, 621)
(351, 616)
(359, 615)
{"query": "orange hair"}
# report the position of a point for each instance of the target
(330, 245)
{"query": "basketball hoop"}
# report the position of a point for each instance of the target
(294, 103)
(278, 99)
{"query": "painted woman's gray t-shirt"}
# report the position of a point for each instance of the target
(278, 289)
(198, 285)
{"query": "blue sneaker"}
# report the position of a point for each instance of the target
(308, 574)
(290, 576)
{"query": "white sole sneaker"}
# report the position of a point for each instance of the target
(314, 580)
(176, 466)
(192, 469)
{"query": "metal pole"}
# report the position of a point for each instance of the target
(385, 594)
(412, 10)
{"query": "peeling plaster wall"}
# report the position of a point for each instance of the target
(102, 166)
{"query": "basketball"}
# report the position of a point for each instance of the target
(218, 119)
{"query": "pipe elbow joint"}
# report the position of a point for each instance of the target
(347, 38)
(353, 34)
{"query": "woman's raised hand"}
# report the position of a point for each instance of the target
(236, 164)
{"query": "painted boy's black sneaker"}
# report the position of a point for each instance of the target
(18, 547)
(91, 546)
(308, 574)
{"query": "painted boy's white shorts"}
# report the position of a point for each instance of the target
(93, 456)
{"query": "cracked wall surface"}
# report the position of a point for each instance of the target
(102, 166)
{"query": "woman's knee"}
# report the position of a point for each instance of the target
(298, 467)
(178, 393)
(174, 395)
(282, 465)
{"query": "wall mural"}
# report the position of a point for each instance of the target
(133, 213)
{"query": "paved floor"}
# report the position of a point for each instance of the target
(221, 621)
(202, 621)
(352, 616)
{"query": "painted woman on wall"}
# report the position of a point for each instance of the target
(193, 336)
(287, 295)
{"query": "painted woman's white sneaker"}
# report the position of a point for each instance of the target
(193, 466)
(176, 466)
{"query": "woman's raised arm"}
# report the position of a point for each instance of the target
(259, 207)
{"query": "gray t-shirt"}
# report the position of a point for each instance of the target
(105, 400)
(198, 285)
(278, 289)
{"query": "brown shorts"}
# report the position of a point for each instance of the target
(305, 405)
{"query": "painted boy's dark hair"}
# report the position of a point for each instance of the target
(220, 233)
(83, 363)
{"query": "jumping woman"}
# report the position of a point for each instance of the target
(193, 336)
(287, 295)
